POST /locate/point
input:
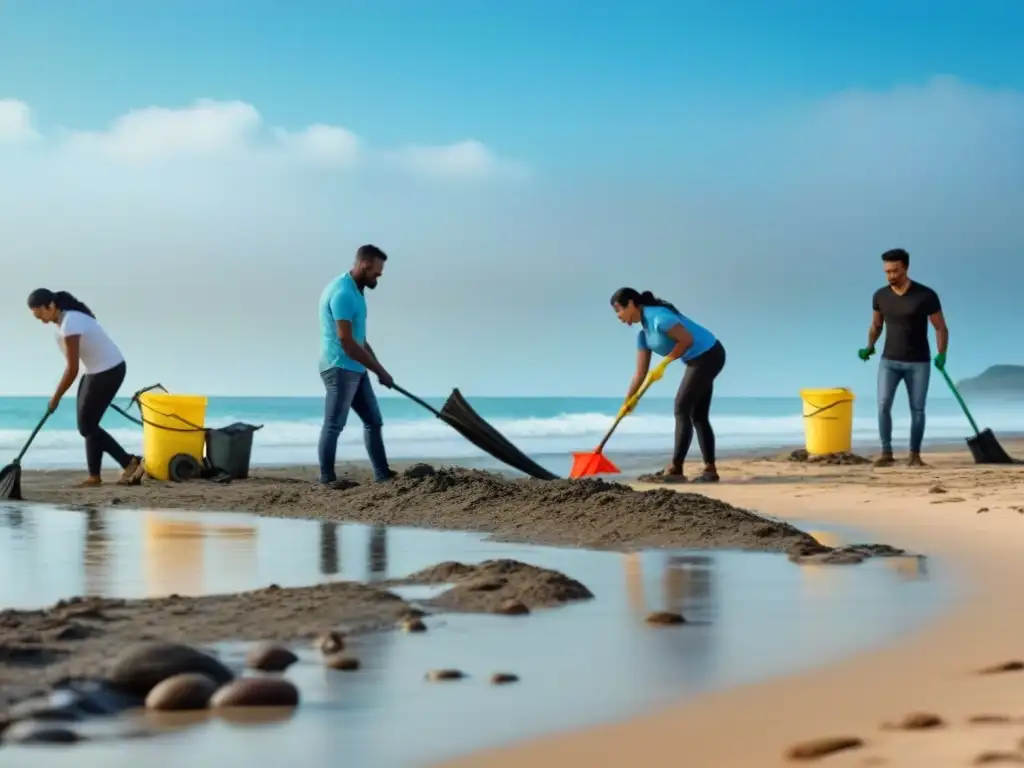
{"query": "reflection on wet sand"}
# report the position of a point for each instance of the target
(96, 554)
(377, 554)
(175, 553)
(13, 517)
(329, 560)
(686, 582)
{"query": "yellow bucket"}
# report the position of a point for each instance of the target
(828, 420)
(176, 412)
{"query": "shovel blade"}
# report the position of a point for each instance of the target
(985, 449)
(590, 464)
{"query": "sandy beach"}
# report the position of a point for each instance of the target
(967, 515)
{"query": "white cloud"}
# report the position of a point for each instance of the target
(327, 144)
(16, 122)
(467, 159)
(211, 130)
(204, 128)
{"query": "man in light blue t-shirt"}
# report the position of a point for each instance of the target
(345, 358)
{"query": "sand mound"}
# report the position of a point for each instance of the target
(587, 513)
(592, 513)
(841, 459)
(493, 584)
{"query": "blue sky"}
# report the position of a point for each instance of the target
(749, 161)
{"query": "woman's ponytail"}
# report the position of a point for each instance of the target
(64, 301)
(624, 296)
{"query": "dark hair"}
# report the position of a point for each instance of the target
(369, 253)
(897, 254)
(623, 296)
(64, 301)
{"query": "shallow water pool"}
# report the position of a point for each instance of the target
(752, 616)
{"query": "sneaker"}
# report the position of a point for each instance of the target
(915, 461)
(707, 476)
(90, 482)
(390, 476)
(885, 460)
(132, 474)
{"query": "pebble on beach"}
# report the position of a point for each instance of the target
(257, 692)
(330, 643)
(267, 657)
(989, 719)
(820, 747)
(437, 675)
(999, 758)
(503, 678)
(665, 618)
(177, 693)
(342, 663)
(513, 607)
(413, 625)
(142, 666)
(915, 721)
(1003, 666)
(40, 732)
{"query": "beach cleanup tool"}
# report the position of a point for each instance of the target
(458, 414)
(10, 476)
(595, 462)
(984, 446)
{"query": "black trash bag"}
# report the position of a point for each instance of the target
(459, 414)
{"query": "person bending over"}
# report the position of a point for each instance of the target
(904, 308)
(669, 333)
(87, 346)
(345, 357)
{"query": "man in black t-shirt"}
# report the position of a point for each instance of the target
(904, 308)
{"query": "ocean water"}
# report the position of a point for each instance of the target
(547, 429)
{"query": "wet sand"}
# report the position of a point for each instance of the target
(934, 698)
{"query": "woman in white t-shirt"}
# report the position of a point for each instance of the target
(87, 346)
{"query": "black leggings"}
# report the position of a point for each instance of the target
(693, 405)
(96, 391)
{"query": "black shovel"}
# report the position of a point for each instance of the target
(985, 448)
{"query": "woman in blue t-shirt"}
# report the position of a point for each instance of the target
(668, 332)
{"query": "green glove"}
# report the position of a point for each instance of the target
(940, 361)
(865, 353)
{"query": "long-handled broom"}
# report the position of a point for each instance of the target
(10, 476)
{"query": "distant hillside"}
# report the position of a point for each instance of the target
(998, 380)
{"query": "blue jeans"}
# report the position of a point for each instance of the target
(348, 390)
(916, 376)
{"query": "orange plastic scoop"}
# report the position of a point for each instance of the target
(595, 462)
(590, 464)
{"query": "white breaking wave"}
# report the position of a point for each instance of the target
(294, 442)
